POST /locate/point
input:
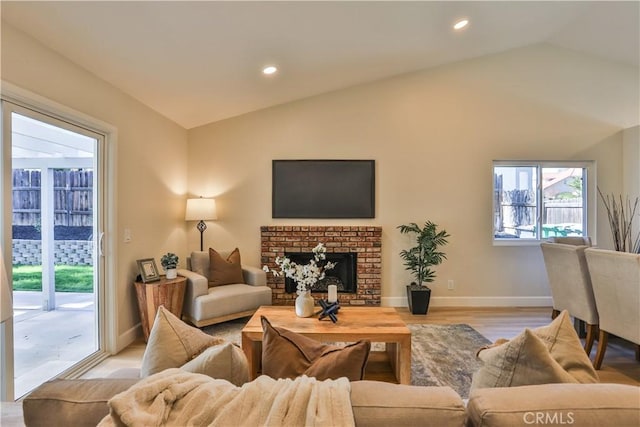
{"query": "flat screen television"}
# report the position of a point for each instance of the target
(323, 189)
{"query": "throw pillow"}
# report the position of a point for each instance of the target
(172, 343)
(225, 361)
(565, 347)
(550, 354)
(286, 354)
(224, 271)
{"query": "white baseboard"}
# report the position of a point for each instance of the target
(124, 340)
(473, 302)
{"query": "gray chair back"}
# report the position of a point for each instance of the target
(571, 240)
(569, 280)
(616, 286)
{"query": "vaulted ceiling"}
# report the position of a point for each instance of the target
(198, 62)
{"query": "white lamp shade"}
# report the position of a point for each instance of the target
(201, 209)
(6, 306)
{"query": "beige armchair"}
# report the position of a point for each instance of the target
(570, 285)
(204, 305)
(616, 286)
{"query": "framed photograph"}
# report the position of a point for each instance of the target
(148, 270)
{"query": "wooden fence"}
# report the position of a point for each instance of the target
(563, 211)
(72, 194)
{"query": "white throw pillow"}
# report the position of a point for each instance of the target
(224, 361)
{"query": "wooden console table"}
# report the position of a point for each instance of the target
(166, 292)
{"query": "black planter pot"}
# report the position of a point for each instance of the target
(418, 298)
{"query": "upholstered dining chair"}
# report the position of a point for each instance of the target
(616, 287)
(570, 285)
(571, 240)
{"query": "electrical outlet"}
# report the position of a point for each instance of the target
(127, 235)
(450, 285)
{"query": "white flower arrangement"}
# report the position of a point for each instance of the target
(305, 276)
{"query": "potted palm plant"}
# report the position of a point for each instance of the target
(419, 260)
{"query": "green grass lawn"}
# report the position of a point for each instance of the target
(69, 278)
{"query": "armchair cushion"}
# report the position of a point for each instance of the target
(224, 271)
(199, 263)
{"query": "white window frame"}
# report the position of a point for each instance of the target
(589, 197)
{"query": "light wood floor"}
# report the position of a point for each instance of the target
(619, 364)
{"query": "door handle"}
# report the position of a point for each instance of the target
(101, 244)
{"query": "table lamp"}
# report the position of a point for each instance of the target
(201, 209)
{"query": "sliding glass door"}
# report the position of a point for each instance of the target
(56, 223)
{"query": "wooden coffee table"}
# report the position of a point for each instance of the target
(376, 324)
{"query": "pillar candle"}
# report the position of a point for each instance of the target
(333, 293)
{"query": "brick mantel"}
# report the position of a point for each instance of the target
(366, 241)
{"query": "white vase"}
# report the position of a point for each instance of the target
(304, 304)
(172, 273)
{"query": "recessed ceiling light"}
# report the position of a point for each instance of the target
(460, 24)
(269, 70)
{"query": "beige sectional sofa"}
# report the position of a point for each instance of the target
(377, 404)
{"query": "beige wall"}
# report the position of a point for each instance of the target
(631, 168)
(631, 158)
(151, 162)
(433, 135)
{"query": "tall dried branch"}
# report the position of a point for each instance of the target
(621, 216)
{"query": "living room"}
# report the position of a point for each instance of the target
(433, 131)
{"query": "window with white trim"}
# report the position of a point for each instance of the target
(534, 200)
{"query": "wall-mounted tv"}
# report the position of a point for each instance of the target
(323, 189)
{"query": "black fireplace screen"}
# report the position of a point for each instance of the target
(343, 275)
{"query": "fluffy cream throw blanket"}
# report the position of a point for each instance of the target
(177, 398)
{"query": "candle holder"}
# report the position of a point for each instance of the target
(332, 293)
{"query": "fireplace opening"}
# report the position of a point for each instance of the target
(343, 275)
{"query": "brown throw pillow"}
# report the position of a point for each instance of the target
(286, 354)
(224, 271)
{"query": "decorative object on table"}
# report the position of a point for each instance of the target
(621, 216)
(306, 276)
(329, 309)
(304, 304)
(419, 259)
(201, 210)
(169, 262)
(332, 293)
(148, 270)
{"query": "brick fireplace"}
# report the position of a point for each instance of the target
(365, 241)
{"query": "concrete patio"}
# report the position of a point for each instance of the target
(49, 342)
